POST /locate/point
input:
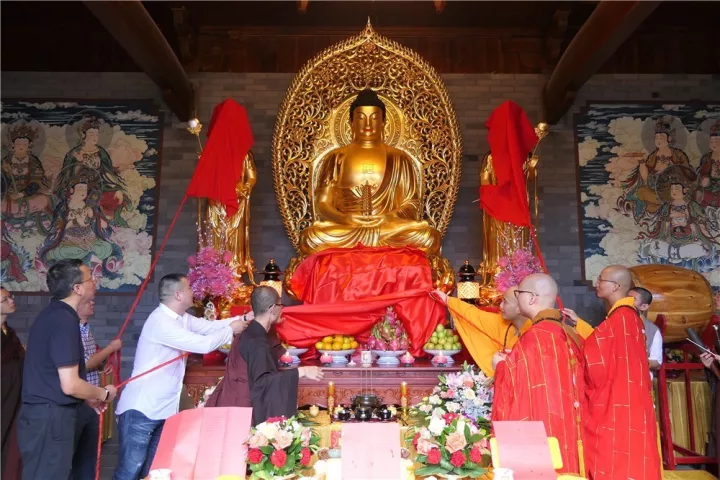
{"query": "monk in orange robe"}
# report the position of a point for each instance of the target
(620, 429)
(485, 333)
(541, 379)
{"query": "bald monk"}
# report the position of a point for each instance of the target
(620, 430)
(541, 379)
(485, 333)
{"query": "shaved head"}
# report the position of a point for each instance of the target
(613, 283)
(509, 306)
(536, 292)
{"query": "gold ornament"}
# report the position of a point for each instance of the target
(313, 121)
(420, 133)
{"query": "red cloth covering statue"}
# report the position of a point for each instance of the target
(541, 379)
(346, 291)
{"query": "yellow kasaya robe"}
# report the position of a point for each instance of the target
(485, 333)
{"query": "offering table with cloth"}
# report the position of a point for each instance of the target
(385, 382)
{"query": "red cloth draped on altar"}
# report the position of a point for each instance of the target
(346, 291)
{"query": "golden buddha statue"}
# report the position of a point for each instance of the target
(233, 233)
(368, 192)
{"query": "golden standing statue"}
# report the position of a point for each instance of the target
(368, 192)
(503, 238)
(234, 233)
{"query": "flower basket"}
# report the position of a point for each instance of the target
(279, 448)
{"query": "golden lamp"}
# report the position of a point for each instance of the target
(271, 276)
(468, 289)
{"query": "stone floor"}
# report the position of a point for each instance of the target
(108, 460)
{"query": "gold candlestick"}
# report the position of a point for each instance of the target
(404, 401)
(331, 400)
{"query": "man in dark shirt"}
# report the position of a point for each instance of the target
(273, 393)
(54, 383)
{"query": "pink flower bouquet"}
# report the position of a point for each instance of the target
(280, 446)
(211, 275)
(515, 267)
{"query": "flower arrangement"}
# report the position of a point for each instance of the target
(211, 275)
(388, 334)
(451, 445)
(280, 446)
(515, 267)
(465, 393)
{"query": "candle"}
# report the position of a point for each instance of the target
(325, 358)
(403, 389)
(331, 389)
(407, 359)
(286, 358)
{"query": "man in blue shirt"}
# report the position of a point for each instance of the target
(54, 385)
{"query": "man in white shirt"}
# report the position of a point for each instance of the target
(653, 337)
(147, 402)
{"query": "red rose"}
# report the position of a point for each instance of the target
(278, 458)
(305, 456)
(434, 456)
(458, 459)
(415, 439)
(255, 455)
(475, 455)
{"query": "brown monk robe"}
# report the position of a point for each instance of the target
(13, 354)
(234, 390)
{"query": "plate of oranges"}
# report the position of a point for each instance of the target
(337, 343)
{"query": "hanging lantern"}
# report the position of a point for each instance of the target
(272, 276)
(467, 288)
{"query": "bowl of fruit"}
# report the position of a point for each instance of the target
(388, 339)
(443, 341)
(294, 352)
(225, 348)
(338, 347)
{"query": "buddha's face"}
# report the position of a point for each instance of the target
(715, 143)
(661, 140)
(367, 124)
(21, 147)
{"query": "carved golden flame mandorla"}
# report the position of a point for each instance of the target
(420, 121)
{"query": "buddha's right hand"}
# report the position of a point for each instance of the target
(368, 220)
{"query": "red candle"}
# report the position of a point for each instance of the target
(325, 358)
(407, 359)
(286, 358)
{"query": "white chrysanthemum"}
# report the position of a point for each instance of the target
(268, 429)
(434, 399)
(468, 393)
(436, 425)
(452, 407)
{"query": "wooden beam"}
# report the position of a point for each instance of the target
(134, 29)
(610, 24)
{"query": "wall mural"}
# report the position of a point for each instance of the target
(649, 185)
(79, 180)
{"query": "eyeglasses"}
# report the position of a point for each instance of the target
(600, 279)
(9, 297)
(95, 279)
(279, 305)
(518, 292)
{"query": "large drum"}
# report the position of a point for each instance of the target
(683, 296)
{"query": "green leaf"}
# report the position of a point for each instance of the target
(430, 470)
(421, 459)
(267, 450)
(446, 464)
(475, 438)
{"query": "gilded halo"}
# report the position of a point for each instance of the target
(313, 120)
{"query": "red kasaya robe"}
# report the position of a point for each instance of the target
(542, 380)
(620, 429)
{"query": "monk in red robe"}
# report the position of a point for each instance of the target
(620, 429)
(541, 379)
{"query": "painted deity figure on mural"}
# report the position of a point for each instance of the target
(89, 158)
(642, 197)
(25, 189)
(82, 231)
(709, 170)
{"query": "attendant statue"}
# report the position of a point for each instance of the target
(368, 192)
(233, 233)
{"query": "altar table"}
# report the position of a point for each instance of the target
(385, 382)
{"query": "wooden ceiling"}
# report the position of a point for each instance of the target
(465, 37)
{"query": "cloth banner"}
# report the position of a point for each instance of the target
(221, 163)
(204, 443)
(346, 291)
(511, 139)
